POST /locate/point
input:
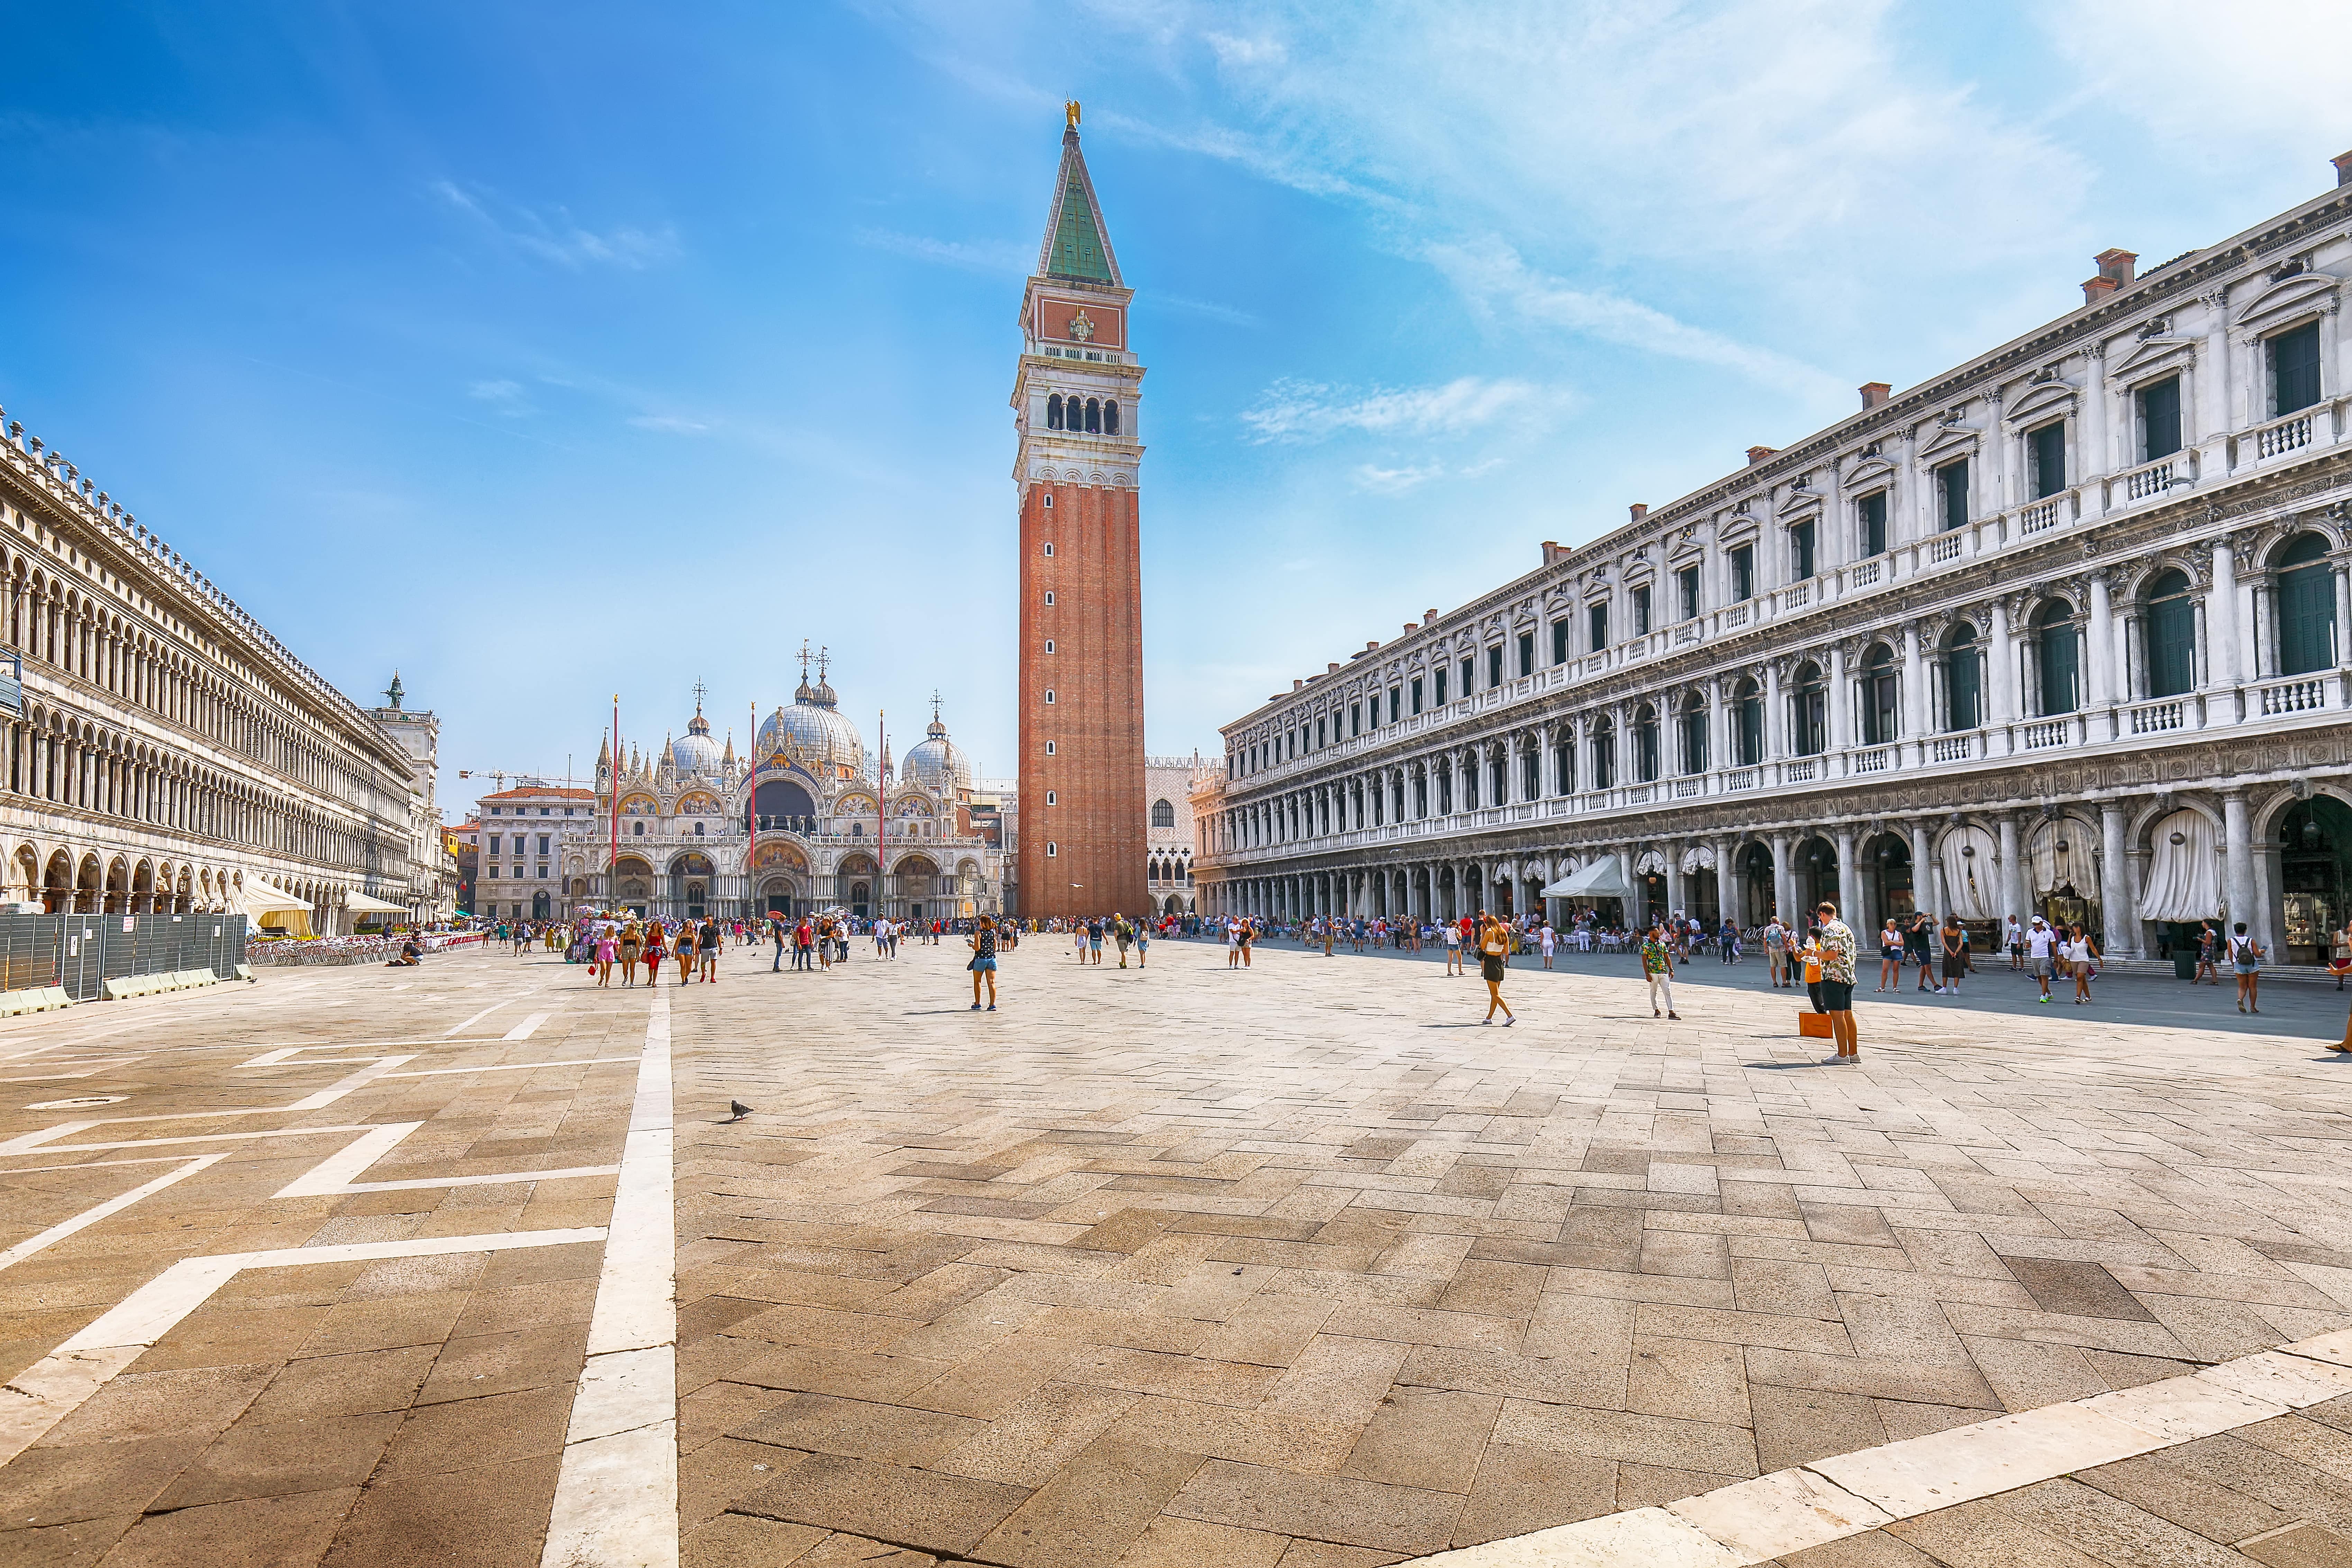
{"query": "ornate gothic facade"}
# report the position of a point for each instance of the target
(2063, 630)
(794, 827)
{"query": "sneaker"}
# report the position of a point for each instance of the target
(1509, 1021)
(1677, 1017)
(991, 1006)
(2043, 998)
(975, 1006)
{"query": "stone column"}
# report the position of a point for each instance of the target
(1727, 886)
(1924, 891)
(2099, 632)
(2237, 839)
(2222, 620)
(1839, 692)
(1776, 721)
(1673, 851)
(2118, 901)
(2000, 671)
(1784, 880)
(1849, 878)
(1919, 707)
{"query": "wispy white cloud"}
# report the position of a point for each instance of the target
(1209, 308)
(2130, 53)
(550, 234)
(1004, 256)
(503, 396)
(1298, 411)
(670, 424)
(1395, 482)
(1493, 278)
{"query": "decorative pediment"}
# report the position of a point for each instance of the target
(1800, 506)
(1868, 474)
(2041, 403)
(2289, 298)
(1736, 531)
(2154, 357)
(1950, 444)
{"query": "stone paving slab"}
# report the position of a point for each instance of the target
(1299, 1264)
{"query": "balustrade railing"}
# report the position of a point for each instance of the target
(1945, 547)
(1875, 760)
(2155, 718)
(2303, 695)
(1864, 574)
(2042, 734)
(1799, 770)
(1734, 615)
(2288, 435)
(1951, 748)
(1685, 788)
(1739, 778)
(2042, 516)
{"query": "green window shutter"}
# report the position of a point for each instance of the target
(1961, 688)
(2047, 451)
(2171, 646)
(1873, 524)
(2061, 661)
(2307, 619)
(2295, 369)
(2159, 419)
(1952, 478)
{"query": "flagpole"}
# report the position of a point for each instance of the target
(881, 813)
(613, 863)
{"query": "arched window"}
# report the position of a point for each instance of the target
(1604, 753)
(2306, 607)
(1164, 815)
(1111, 416)
(1645, 743)
(1750, 698)
(1563, 765)
(1532, 770)
(1881, 691)
(1963, 679)
(1694, 733)
(2060, 649)
(1054, 411)
(1094, 417)
(2171, 636)
(1809, 729)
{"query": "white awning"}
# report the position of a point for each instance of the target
(264, 900)
(360, 904)
(1598, 880)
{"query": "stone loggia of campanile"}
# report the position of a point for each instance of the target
(1076, 403)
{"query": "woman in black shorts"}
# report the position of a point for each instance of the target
(1493, 943)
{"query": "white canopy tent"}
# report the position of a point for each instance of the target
(1602, 879)
(264, 905)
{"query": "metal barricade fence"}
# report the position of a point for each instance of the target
(79, 952)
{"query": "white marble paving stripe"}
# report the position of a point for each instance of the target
(338, 1175)
(616, 1493)
(524, 1030)
(1853, 1494)
(57, 1385)
(29, 1142)
(459, 1028)
(514, 1066)
(91, 1216)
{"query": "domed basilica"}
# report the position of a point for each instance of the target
(793, 827)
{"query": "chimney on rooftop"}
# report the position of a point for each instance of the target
(1427, 616)
(1372, 645)
(1640, 509)
(1874, 392)
(1410, 628)
(1551, 550)
(1757, 454)
(2343, 161)
(1330, 669)
(1296, 684)
(2116, 269)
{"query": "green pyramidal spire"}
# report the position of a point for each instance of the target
(1076, 245)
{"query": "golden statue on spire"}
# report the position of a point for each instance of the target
(1070, 112)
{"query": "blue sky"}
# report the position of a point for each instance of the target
(545, 351)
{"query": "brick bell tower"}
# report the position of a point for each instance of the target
(1075, 404)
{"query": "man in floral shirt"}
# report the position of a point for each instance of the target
(1658, 968)
(1837, 984)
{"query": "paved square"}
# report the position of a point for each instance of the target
(1299, 1264)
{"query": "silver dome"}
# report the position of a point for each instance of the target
(937, 764)
(694, 752)
(815, 735)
